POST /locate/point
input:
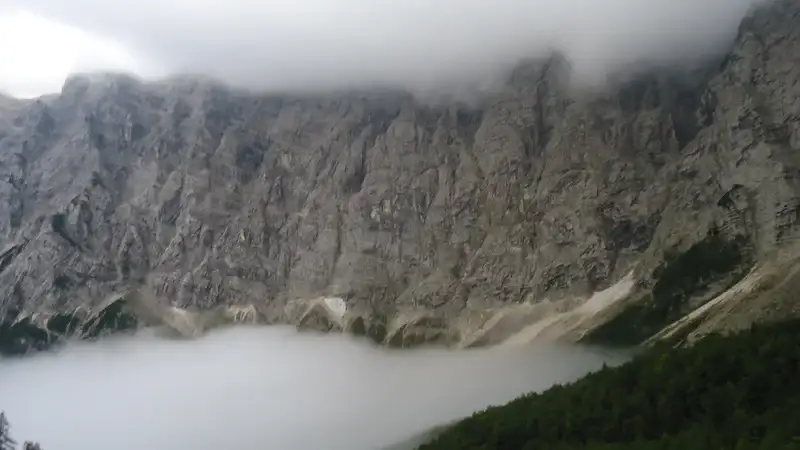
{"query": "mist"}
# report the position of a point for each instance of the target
(264, 388)
(417, 45)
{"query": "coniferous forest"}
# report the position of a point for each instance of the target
(739, 392)
(6, 442)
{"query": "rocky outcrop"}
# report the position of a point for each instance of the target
(429, 222)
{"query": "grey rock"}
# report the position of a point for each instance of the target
(210, 198)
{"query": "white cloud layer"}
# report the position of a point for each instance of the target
(267, 388)
(321, 44)
(38, 54)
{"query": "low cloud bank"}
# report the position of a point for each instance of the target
(264, 388)
(413, 44)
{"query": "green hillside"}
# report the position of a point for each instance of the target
(737, 392)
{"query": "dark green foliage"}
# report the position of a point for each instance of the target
(114, 318)
(625, 328)
(63, 324)
(20, 336)
(6, 443)
(377, 329)
(693, 270)
(737, 392)
(17, 338)
(374, 328)
(706, 262)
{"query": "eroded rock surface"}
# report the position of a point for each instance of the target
(212, 199)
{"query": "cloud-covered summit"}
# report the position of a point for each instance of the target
(413, 44)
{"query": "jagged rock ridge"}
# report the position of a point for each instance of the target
(200, 198)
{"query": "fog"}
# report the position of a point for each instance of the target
(414, 44)
(264, 388)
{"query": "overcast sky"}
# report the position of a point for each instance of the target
(291, 44)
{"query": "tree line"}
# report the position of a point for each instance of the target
(7, 442)
(738, 392)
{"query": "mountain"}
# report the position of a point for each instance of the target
(666, 206)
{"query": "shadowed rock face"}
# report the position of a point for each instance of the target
(210, 198)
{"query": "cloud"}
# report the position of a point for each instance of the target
(38, 54)
(415, 44)
(265, 388)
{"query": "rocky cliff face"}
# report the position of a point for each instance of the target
(543, 212)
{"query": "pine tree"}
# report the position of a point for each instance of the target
(6, 443)
(31, 446)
